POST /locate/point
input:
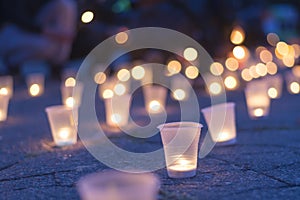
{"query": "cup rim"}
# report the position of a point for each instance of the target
(182, 124)
(58, 108)
(226, 104)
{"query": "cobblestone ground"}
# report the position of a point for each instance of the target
(264, 164)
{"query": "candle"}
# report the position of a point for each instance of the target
(6, 85)
(4, 101)
(180, 142)
(221, 123)
(63, 122)
(71, 94)
(258, 101)
(117, 110)
(35, 84)
(274, 86)
(155, 98)
(293, 83)
(180, 87)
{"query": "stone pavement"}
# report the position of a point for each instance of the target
(264, 164)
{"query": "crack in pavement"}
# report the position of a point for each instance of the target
(8, 166)
(257, 172)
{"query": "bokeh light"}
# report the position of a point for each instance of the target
(261, 69)
(215, 88)
(230, 82)
(100, 78)
(107, 94)
(237, 35)
(87, 17)
(294, 87)
(272, 92)
(179, 94)
(34, 89)
(271, 68)
(266, 56)
(174, 67)
(272, 39)
(231, 64)
(191, 72)
(121, 37)
(246, 75)
(123, 75)
(70, 82)
(119, 89)
(190, 54)
(138, 72)
(240, 52)
(216, 68)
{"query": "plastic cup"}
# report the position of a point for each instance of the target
(4, 101)
(155, 98)
(258, 101)
(35, 84)
(117, 110)
(225, 134)
(6, 85)
(180, 142)
(63, 122)
(113, 185)
(71, 96)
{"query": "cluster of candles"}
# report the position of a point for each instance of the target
(180, 139)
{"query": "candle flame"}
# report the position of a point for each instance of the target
(34, 89)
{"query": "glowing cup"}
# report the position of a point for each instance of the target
(4, 101)
(117, 110)
(180, 88)
(71, 95)
(227, 134)
(62, 120)
(258, 101)
(6, 85)
(155, 98)
(180, 141)
(35, 84)
(113, 185)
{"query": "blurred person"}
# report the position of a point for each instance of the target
(36, 30)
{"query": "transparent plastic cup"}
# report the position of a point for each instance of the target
(258, 101)
(155, 98)
(4, 101)
(63, 124)
(113, 185)
(117, 110)
(35, 84)
(180, 142)
(226, 133)
(6, 85)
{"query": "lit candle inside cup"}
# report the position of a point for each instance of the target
(225, 134)
(274, 86)
(258, 101)
(35, 83)
(117, 110)
(6, 85)
(180, 88)
(71, 94)
(63, 124)
(4, 101)
(180, 142)
(155, 98)
(293, 83)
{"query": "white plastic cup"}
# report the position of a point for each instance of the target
(117, 110)
(258, 101)
(6, 85)
(225, 134)
(4, 101)
(155, 98)
(71, 96)
(35, 84)
(113, 185)
(63, 124)
(180, 142)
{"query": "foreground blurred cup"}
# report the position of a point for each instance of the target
(180, 142)
(6, 85)
(117, 110)
(35, 84)
(71, 95)
(63, 124)
(258, 101)
(155, 98)
(4, 101)
(227, 134)
(113, 185)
